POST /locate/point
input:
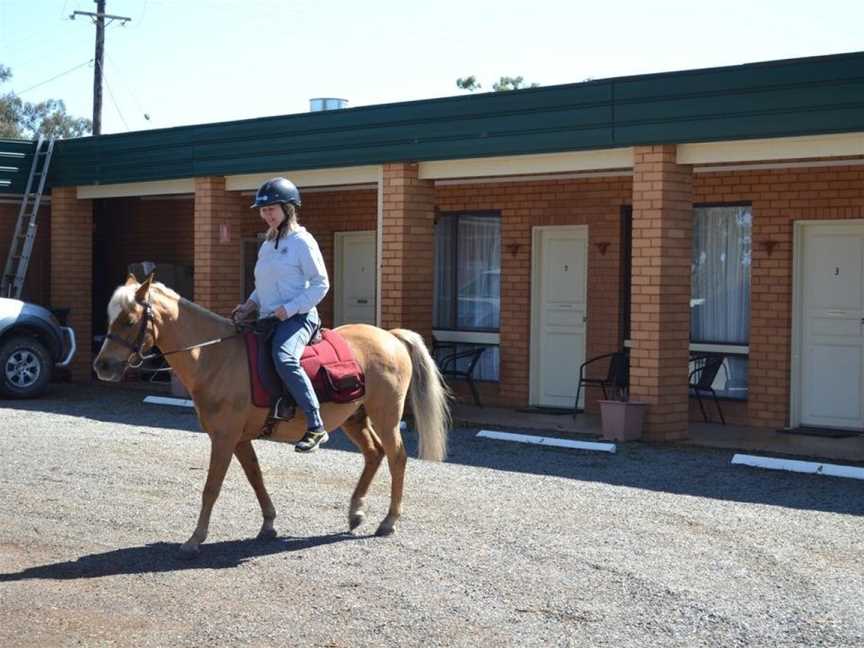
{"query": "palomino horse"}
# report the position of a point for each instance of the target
(396, 363)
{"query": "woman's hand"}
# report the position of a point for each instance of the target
(281, 313)
(242, 311)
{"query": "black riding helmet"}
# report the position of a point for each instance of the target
(276, 191)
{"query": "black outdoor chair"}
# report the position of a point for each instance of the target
(448, 360)
(617, 375)
(702, 378)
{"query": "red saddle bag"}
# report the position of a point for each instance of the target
(328, 361)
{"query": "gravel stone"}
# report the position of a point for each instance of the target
(503, 545)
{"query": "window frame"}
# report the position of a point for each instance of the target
(719, 343)
(454, 258)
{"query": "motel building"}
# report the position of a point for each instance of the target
(706, 211)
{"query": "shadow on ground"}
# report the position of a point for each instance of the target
(164, 557)
(109, 404)
(682, 470)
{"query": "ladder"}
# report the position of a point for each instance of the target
(12, 282)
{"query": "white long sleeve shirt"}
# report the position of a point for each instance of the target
(293, 276)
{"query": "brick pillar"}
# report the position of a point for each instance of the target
(218, 247)
(72, 270)
(660, 320)
(408, 246)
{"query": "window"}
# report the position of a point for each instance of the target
(468, 283)
(720, 289)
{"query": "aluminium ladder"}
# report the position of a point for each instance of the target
(12, 282)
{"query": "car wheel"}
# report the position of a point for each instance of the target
(25, 367)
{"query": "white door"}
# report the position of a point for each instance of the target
(832, 325)
(354, 289)
(558, 297)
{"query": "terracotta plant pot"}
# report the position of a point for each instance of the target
(622, 420)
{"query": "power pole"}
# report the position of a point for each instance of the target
(99, 19)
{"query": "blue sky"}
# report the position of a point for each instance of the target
(198, 61)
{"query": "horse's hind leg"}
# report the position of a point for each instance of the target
(386, 425)
(245, 453)
(357, 429)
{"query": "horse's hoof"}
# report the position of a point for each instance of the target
(384, 531)
(188, 552)
(355, 520)
(266, 534)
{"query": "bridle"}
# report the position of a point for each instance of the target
(137, 346)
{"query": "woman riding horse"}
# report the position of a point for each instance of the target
(209, 358)
(289, 283)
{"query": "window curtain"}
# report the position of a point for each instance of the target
(720, 295)
(443, 314)
(479, 273)
(467, 281)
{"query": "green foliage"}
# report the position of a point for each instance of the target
(504, 84)
(21, 119)
(468, 83)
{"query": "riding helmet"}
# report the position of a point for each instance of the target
(276, 191)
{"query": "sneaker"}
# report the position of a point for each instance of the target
(312, 439)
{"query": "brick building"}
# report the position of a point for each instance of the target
(717, 210)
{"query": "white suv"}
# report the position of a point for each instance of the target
(32, 343)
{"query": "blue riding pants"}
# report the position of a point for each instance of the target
(289, 340)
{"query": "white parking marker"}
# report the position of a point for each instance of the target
(809, 467)
(163, 400)
(547, 441)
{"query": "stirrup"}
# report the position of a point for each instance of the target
(311, 440)
(282, 410)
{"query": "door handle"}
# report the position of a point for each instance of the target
(362, 301)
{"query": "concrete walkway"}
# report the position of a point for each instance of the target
(708, 435)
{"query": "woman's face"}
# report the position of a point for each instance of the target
(272, 215)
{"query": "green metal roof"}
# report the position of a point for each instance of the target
(791, 97)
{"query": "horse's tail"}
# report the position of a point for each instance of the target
(430, 398)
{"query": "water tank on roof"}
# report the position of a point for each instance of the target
(326, 103)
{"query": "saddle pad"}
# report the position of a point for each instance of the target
(335, 375)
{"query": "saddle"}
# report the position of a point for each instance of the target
(328, 361)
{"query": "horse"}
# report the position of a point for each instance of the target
(210, 359)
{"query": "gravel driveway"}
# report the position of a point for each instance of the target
(503, 545)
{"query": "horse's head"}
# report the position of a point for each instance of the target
(131, 330)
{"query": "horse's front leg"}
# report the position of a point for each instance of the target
(221, 450)
(245, 453)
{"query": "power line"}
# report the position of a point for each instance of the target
(114, 101)
(70, 70)
(127, 87)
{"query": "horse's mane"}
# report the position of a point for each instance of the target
(124, 300)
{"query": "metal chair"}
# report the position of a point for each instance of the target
(448, 363)
(702, 380)
(617, 376)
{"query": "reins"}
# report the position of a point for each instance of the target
(142, 332)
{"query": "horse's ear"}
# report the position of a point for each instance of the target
(143, 289)
(130, 280)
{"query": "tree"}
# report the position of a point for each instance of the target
(24, 120)
(468, 83)
(511, 83)
(503, 84)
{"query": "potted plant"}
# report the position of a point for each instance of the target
(622, 418)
